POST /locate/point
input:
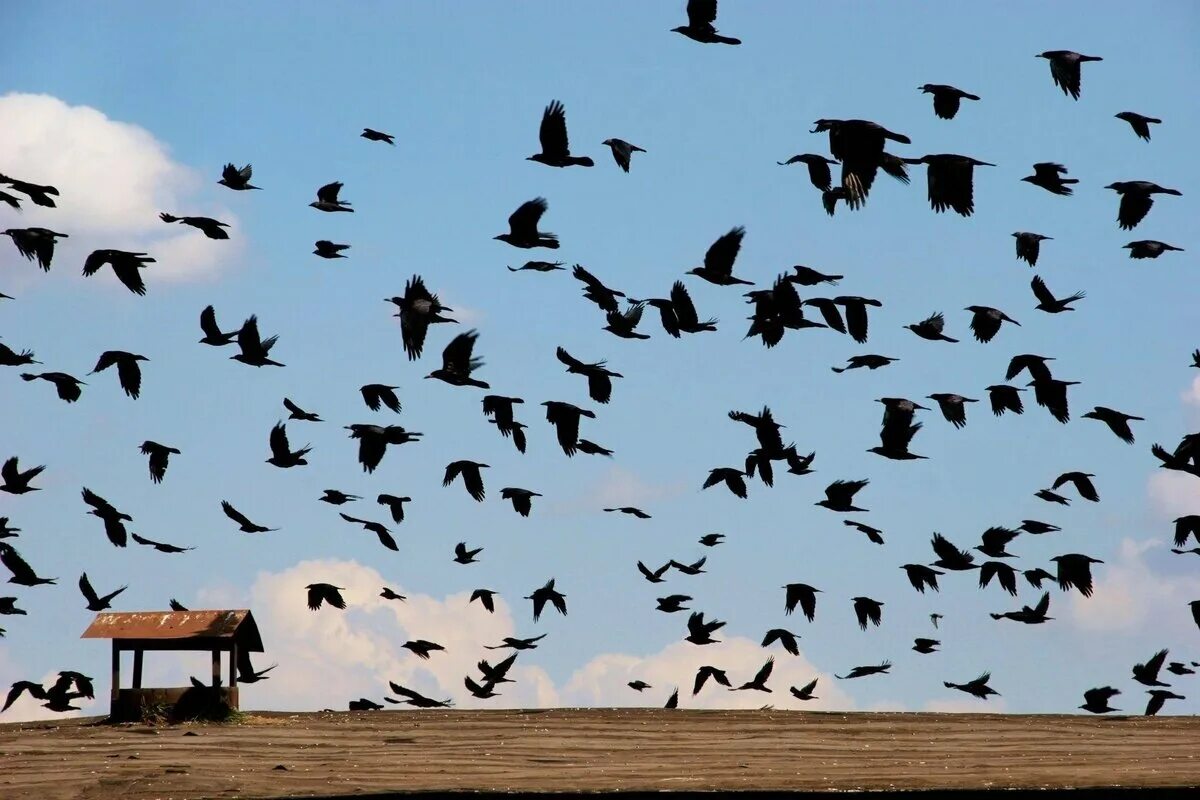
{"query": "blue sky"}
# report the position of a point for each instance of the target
(463, 91)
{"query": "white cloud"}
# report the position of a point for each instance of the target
(1191, 395)
(1174, 494)
(1128, 594)
(113, 180)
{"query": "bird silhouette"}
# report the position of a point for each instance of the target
(1027, 615)
(1139, 122)
(785, 637)
(22, 573)
(35, 244)
(282, 455)
(378, 136)
(1075, 571)
(1150, 248)
(1064, 68)
(1117, 421)
(523, 227)
(1029, 245)
(380, 530)
(417, 310)
(114, 527)
(125, 265)
(237, 179)
(1136, 200)
(718, 261)
(759, 683)
(976, 688)
(40, 195)
(1147, 673)
(864, 671)
(328, 249)
(818, 171)
(1050, 176)
(951, 181)
(1157, 698)
(806, 692)
(622, 151)
(94, 601)
(327, 199)
(931, 328)
(464, 556)
(319, 593)
(699, 631)
(14, 480)
(458, 363)
(1096, 700)
(522, 499)
(946, 99)
(556, 150)
(213, 229)
(839, 496)
(471, 478)
(244, 524)
(159, 456)
(986, 321)
(485, 598)
(162, 547)
(547, 594)
(701, 16)
(803, 595)
(868, 610)
(66, 386)
(255, 351)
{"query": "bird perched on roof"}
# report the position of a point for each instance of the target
(556, 149)
(1049, 176)
(1029, 245)
(210, 227)
(946, 98)
(1139, 122)
(522, 226)
(378, 136)
(35, 244)
(701, 16)
(327, 198)
(1136, 200)
(237, 179)
(1064, 68)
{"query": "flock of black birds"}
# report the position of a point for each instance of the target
(858, 146)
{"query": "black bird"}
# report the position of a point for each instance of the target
(1075, 570)
(14, 481)
(995, 539)
(422, 648)
(500, 408)
(622, 151)
(673, 603)
(458, 363)
(464, 556)
(255, 351)
(516, 644)
(237, 179)
(1185, 526)
(818, 170)
(522, 227)
(1082, 483)
(807, 276)
(921, 576)
(624, 323)
(953, 407)
(213, 335)
(805, 693)
(868, 610)
(1051, 394)
(784, 637)
(718, 261)
(1157, 698)
(1150, 248)
(856, 315)
(378, 136)
(210, 227)
(829, 312)
(1029, 245)
(521, 499)
(556, 150)
(472, 480)
(592, 449)
(328, 249)
(596, 291)
(870, 361)
(385, 536)
(950, 556)
(598, 375)
(1147, 674)
(839, 496)
(128, 372)
(714, 539)
(325, 593)
(1096, 700)
(22, 573)
(8, 606)
(859, 144)
(1139, 123)
(638, 686)
(656, 575)
(951, 181)
(704, 673)
(1034, 363)
(485, 598)
(1136, 200)
(159, 455)
(734, 479)
(11, 358)
(986, 321)
(1027, 615)
(1005, 398)
(113, 519)
(418, 309)
(695, 568)
(327, 199)
(699, 631)
(946, 98)
(925, 646)
(394, 504)
(538, 266)
(1179, 668)
(94, 601)
(282, 455)
(244, 524)
(1116, 421)
(1006, 575)
(874, 534)
(766, 429)
(125, 266)
(976, 688)
(246, 671)
(1050, 176)
(373, 441)
(161, 547)
(40, 195)
(418, 700)
(482, 692)
(35, 243)
(934, 619)
(678, 313)
(931, 328)
(337, 498)
(1048, 302)
(862, 672)
(1064, 68)
(1036, 576)
(389, 594)
(1051, 497)
(701, 16)
(565, 419)
(7, 532)
(499, 672)
(759, 684)
(12, 200)
(375, 393)
(547, 594)
(363, 704)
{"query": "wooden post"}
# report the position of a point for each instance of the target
(232, 664)
(137, 669)
(216, 668)
(116, 675)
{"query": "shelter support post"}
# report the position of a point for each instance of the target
(216, 668)
(137, 669)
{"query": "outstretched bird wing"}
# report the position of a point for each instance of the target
(553, 133)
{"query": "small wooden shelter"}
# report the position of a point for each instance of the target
(217, 631)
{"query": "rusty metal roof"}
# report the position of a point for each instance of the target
(213, 624)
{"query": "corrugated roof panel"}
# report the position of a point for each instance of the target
(208, 624)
